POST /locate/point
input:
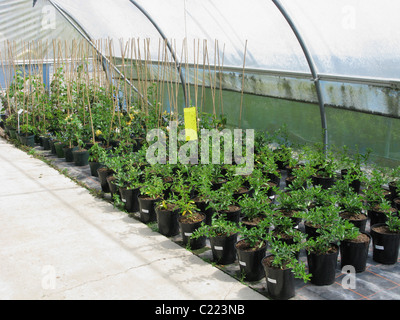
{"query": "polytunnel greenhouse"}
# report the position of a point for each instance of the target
(200, 150)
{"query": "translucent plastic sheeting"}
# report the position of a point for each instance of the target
(224, 24)
(350, 37)
(21, 23)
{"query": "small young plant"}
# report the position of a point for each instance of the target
(218, 228)
(284, 257)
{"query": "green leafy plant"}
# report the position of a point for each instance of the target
(284, 257)
(219, 227)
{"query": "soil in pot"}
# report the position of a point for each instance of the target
(385, 244)
(359, 220)
(280, 282)
(188, 224)
(223, 248)
(103, 173)
(146, 208)
(167, 220)
(250, 260)
(323, 266)
(354, 252)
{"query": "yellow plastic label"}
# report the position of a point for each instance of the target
(190, 123)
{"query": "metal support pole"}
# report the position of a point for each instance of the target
(187, 103)
(312, 67)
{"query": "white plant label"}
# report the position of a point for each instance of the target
(187, 234)
(271, 280)
(242, 263)
(145, 211)
(218, 248)
(379, 247)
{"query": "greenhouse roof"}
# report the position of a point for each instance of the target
(350, 38)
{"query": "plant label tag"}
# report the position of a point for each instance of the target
(242, 263)
(271, 280)
(187, 234)
(379, 247)
(145, 211)
(190, 115)
(218, 248)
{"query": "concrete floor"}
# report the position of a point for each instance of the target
(58, 241)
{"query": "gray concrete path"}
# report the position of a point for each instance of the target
(59, 242)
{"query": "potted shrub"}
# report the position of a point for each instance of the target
(128, 179)
(202, 185)
(167, 217)
(354, 250)
(351, 167)
(27, 135)
(292, 204)
(223, 237)
(151, 191)
(375, 195)
(251, 250)
(282, 267)
(224, 204)
(286, 231)
(394, 183)
(352, 209)
(323, 250)
(255, 209)
(386, 237)
(190, 221)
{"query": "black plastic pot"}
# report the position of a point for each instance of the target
(310, 231)
(46, 143)
(146, 209)
(59, 149)
(223, 249)
(167, 222)
(103, 173)
(324, 182)
(112, 186)
(202, 205)
(323, 267)
(94, 165)
(81, 157)
(280, 282)
(131, 199)
(376, 217)
(355, 184)
(69, 157)
(27, 139)
(250, 262)
(359, 223)
(187, 230)
(385, 245)
(233, 216)
(52, 146)
(355, 253)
